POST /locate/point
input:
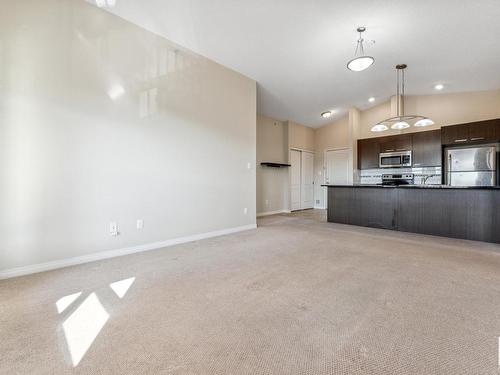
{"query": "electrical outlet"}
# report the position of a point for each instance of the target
(249, 165)
(245, 210)
(317, 201)
(267, 202)
(113, 228)
(140, 224)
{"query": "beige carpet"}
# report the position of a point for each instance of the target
(296, 296)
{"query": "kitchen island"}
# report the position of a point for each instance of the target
(471, 213)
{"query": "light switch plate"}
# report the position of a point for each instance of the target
(140, 224)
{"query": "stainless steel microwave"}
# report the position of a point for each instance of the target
(395, 159)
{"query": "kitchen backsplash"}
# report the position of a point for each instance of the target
(374, 176)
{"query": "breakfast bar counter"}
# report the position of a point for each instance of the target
(471, 213)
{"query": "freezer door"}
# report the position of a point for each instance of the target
(471, 178)
(471, 159)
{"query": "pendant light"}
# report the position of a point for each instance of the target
(401, 121)
(360, 61)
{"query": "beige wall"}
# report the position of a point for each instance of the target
(272, 183)
(103, 121)
(443, 109)
(300, 136)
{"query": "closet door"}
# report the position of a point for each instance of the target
(295, 180)
(307, 180)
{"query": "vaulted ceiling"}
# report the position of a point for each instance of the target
(297, 50)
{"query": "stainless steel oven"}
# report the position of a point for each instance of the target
(395, 159)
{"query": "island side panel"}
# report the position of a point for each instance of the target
(363, 206)
(471, 214)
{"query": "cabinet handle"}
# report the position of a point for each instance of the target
(401, 149)
(460, 140)
(417, 164)
(388, 150)
(476, 138)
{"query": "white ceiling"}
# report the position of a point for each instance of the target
(297, 50)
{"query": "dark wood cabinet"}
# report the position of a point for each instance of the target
(368, 152)
(369, 207)
(455, 134)
(426, 147)
(483, 131)
(475, 132)
(396, 143)
(471, 214)
(427, 151)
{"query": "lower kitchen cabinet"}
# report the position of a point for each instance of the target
(362, 206)
(467, 213)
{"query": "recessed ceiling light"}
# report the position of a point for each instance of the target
(371, 100)
(327, 114)
(439, 86)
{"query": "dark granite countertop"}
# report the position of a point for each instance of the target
(417, 186)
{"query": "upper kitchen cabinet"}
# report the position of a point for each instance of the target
(427, 150)
(481, 131)
(368, 152)
(455, 134)
(396, 143)
(484, 131)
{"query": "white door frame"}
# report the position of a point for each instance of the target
(325, 192)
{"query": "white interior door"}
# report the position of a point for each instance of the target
(307, 180)
(295, 180)
(337, 167)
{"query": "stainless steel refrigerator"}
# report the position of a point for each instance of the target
(471, 166)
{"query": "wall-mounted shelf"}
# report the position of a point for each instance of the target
(274, 165)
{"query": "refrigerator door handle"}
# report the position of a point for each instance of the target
(449, 169)
(490, 159)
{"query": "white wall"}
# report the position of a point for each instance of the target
(272, 183)
(103, 121)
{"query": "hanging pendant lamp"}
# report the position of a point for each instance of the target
(401, 121)
(360, 61)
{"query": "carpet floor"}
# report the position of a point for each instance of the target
(296, 296)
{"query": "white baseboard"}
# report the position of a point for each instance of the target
(42, 267)
(319, 208)
(269, 213)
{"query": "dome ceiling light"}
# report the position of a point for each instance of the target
(360, 61)
(401, 121)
